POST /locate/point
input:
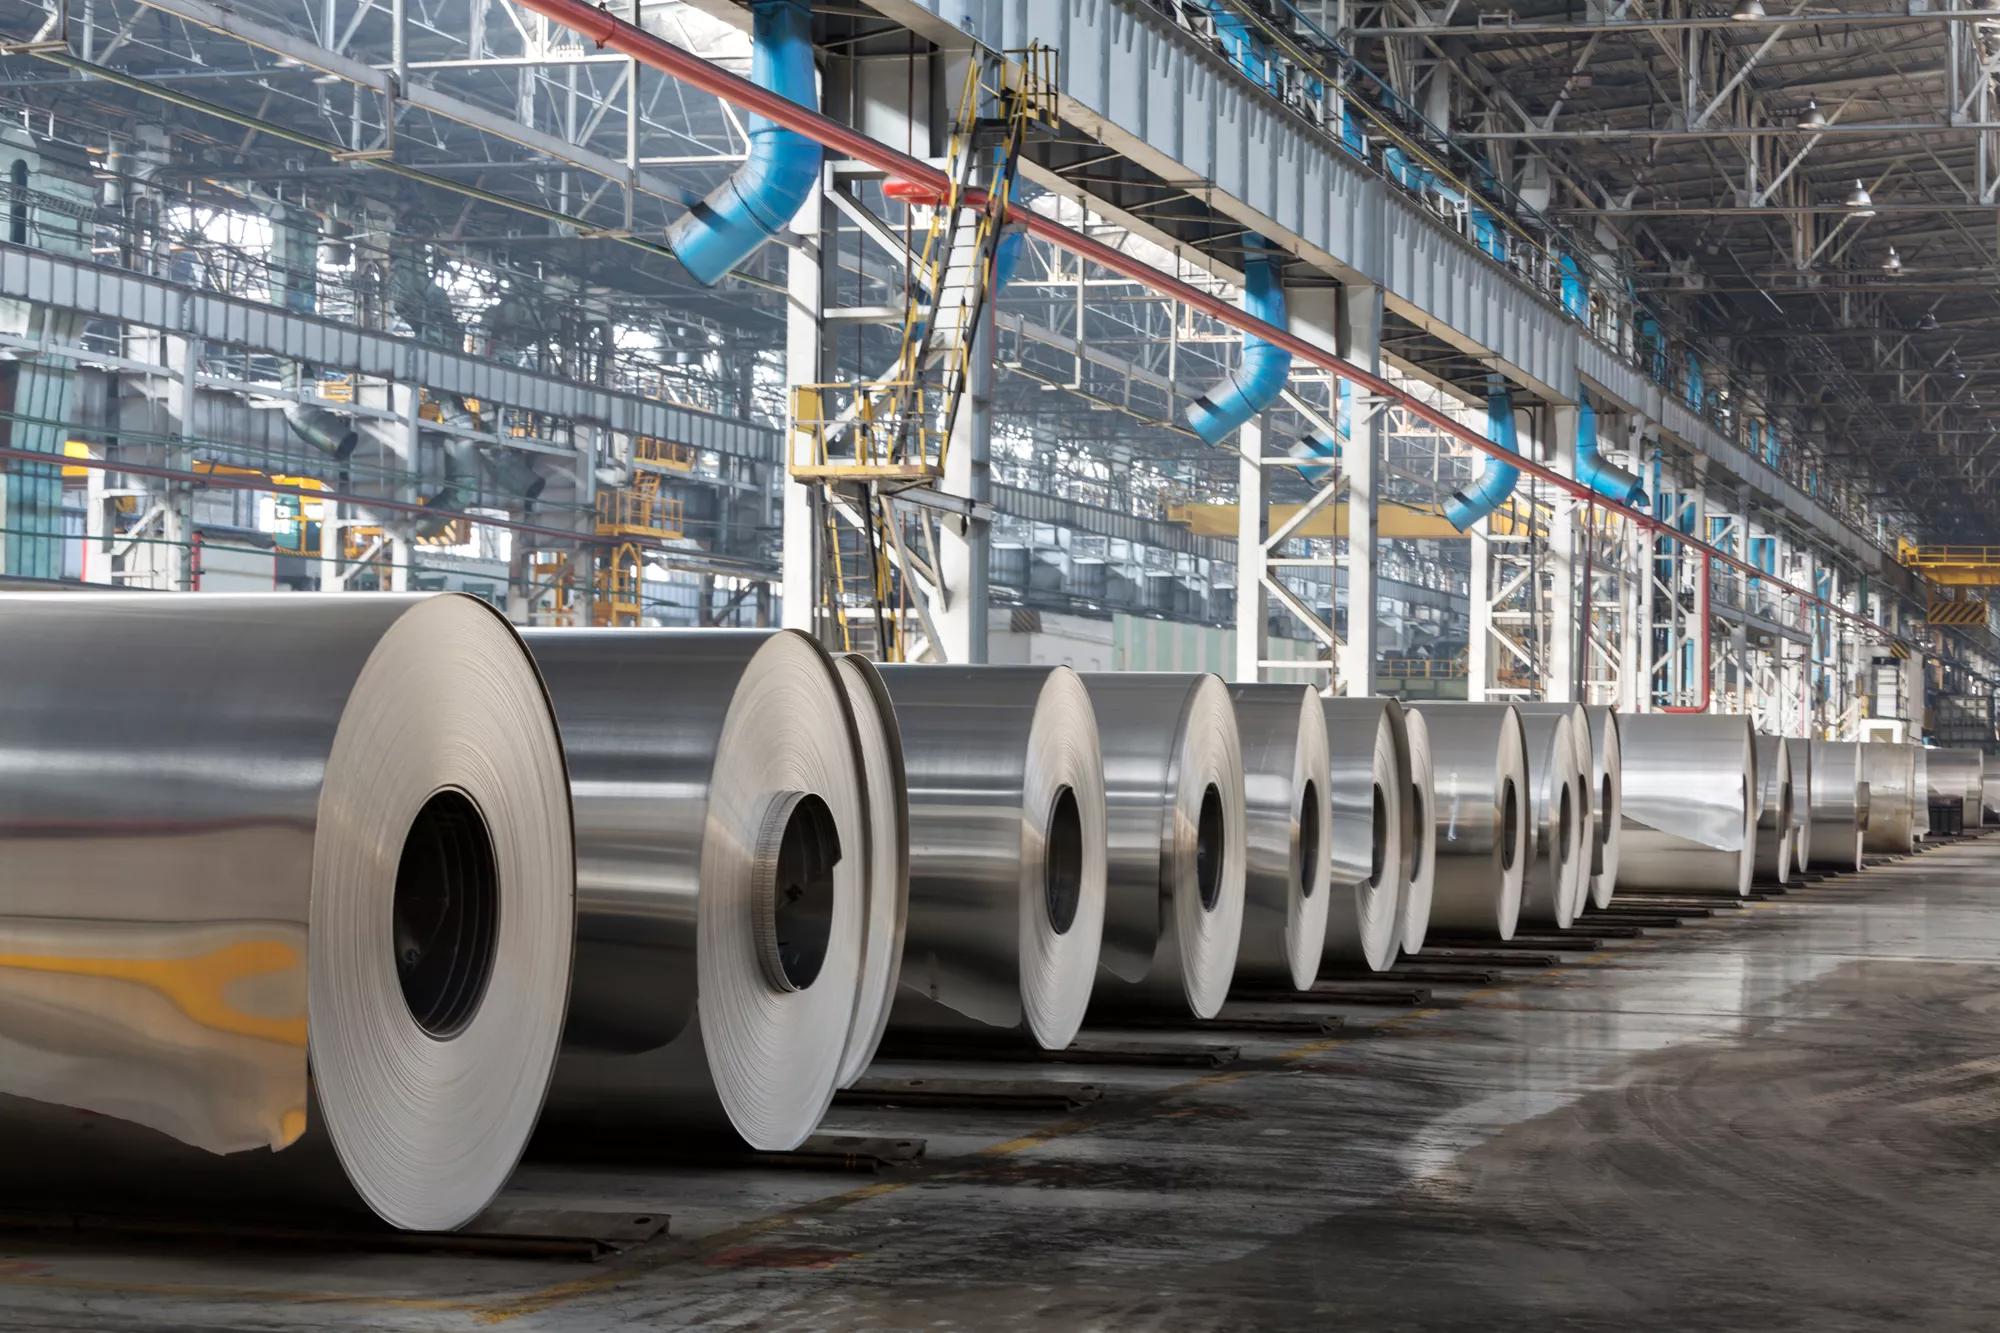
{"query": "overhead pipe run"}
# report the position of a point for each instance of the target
(1493, 485)
(1596, 471)
(782, 168)
(1260, 376)
(608, 31)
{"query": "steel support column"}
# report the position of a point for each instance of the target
(1359, 311)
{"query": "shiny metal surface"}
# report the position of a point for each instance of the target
(886, 914)
(1558, 878)
(1479, 808)
(1691, 803)
(1920, 786)
(1007, 848)
(1840, 807)
(1416, 907)
(690, 752)
(1174, 863)
(1890, 770)
(1368, 762)
(1799, 752)
(1778, 796)
(1588, 797)
(1955, 775)
(1282, 729)
(1607, 806)
(223, 863)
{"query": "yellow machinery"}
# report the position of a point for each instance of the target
(1952, 566)
(862, 442)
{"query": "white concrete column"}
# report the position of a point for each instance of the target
(1252, 617)
(1360, 340)
(965, 542)
(1479, 614)
(1559, 423)
(804, 348)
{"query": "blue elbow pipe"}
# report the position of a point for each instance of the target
(1317, 453)
(1007, 254)
(1496, 481)
(782, 169)
(1260, 376)
(1595, 471)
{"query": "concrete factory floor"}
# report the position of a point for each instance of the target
(1781, 1117)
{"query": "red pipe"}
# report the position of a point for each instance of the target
(1701, 653)
(607, 30)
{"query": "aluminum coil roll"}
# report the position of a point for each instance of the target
(1368, 758)
(1989, 789)
(722, 854)
(1558, 878)
(1779, 795)
(1798, 753)
(1839, 818)
(1920, 793)
(1416, 913)
(886, 887)
(1286, 875)
(1954, 775)
(1607, 805)
(1890, 770)
(1007, 849)
(1691, 803)
(1174, 864)
(277, 873)
(1479, 791)
(1591, 815)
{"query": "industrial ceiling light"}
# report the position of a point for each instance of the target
(1927, 322)
(1747, 11)
(1815, 119)
(1861, 201)
(1892, 264)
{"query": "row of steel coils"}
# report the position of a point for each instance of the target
(350, 896)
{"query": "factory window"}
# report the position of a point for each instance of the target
(17, 203)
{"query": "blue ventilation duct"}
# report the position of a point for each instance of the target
(1260, 376)
(1597, 472)
(1245, 47)
(1318, 452)
(1697, 389)
(1496, 481)
(1007, 254)
(1575, 290)
(782, 169)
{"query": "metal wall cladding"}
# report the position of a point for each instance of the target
(1586, 797)
(1007, 849)
(1173, 794)
(1368, 757)
(1955, 775)
(1558, 878)
(1838, 821)
(1690, 803)
(277, 873)
(1779, 794)
(722, 857)
(1479, 809)
(1890, 770)
(1416, 911)
(1798, 753)
(1285, 784)
(886, 912)
(1607, 804)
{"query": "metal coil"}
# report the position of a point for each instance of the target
(277, 873)
(1591, 801)
(1691, 803)
(1954, 775)
(1890, 770)
(1416, 914)
(1799, 752)
(722, 858)
(1558, 878)
(1920, 799)
(1779, 795)
(1840, 807)
(1479, 796)
(1174, 864)
(886, 910)
(1607, 805)
(1285, 783)
(1007, 849)
(1368, 759)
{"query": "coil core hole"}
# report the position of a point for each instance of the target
(445, 915)
(1604, 804)
(1062, 862)
(1510, 824)
(1420, 819)
(1378, 834)
(1308, 838)
(798, 849)
(1565, 823)
(1208, 843)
